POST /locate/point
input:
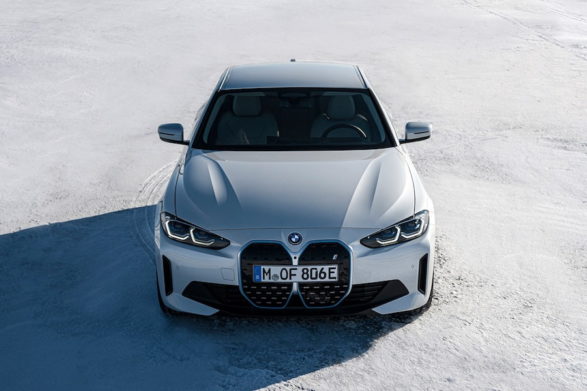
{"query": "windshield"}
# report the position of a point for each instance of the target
(293, 119)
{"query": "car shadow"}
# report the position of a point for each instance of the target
(78, 308)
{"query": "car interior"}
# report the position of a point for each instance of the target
(293, 118)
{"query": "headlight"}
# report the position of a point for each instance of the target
(184, 232)
(405, 230)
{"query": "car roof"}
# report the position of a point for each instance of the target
(293, 75)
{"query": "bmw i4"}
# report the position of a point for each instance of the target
(294, 194)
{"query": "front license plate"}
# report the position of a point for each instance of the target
(322, 273)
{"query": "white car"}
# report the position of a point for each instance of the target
(294, 194)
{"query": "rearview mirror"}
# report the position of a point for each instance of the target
(172, 133)
(416, 131)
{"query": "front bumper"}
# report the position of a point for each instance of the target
(387, 280)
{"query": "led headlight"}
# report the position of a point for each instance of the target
(403, 231)
(184, 232)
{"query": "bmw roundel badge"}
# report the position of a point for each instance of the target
(294, 238)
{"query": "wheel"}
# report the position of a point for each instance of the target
(166, 310)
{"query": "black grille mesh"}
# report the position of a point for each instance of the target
(326, 294)
(269, 295)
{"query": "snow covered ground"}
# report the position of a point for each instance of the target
(83, 86)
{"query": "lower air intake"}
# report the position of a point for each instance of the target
(423, 274)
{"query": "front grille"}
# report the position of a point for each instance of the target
(326, 294)
(267, 295)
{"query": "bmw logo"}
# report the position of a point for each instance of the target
(294, 238)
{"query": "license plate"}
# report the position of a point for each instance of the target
(322, 273)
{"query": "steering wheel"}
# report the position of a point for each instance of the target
(332, 128)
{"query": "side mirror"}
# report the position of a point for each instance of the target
(172, 133)
(416, 131)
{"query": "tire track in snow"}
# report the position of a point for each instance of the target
(563, 12)
(149, 193)
(537, 33)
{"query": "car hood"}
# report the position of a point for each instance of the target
(295, 189)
